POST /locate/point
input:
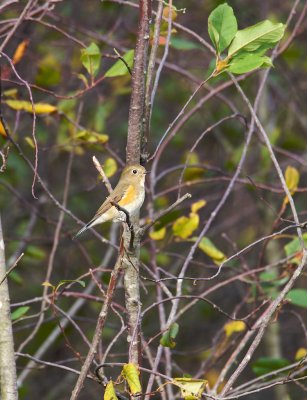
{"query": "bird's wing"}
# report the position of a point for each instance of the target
(119, 196)
(114, 197)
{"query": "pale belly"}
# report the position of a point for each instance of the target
(119, 216)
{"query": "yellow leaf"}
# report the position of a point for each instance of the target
(110, 167)
(166, 12)
(158, 235)
(234, 326)
(92, 137)
(131, 373)
(301, 353)
(19, 52)
(192, 173)
(109, 393)
(30, 141)
(39, 108)
(2, 131)
(46, 283)
(211, 250)
(212, 375)
(198, 205)
(292, 177)
(191, 389)
(183, 227)
(10, 93)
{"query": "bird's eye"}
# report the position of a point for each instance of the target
(135, 171)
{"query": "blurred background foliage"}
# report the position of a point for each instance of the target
(88, 121)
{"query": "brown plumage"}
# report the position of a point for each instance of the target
(129, 194)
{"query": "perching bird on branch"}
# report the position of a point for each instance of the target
(127, 197)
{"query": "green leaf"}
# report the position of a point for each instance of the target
(298, 297)
(131, 373)
(211, 250)
(35, 252)
(270, 281)
(259, 37)
(222, 26)
(16, 277)
(264, 365)
(67, 281)
(183, 44)
(19, 312)
(167, 340)
(90, 58)
(48, 71)
(294, 247)
(247, 63)
(119, 68)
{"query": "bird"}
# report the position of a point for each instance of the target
(129, 194)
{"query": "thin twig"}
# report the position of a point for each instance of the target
(105, 179)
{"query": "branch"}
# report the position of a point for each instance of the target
(99, 327)
(136, 109)
(105, 179)
(8, 377)
(164, 212)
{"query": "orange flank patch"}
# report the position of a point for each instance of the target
(129, 196)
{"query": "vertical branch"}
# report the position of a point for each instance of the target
(150, 77)
(135, 133)
(8, 379)
(136, 110)
(98, 331)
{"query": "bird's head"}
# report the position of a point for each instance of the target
(134, 173)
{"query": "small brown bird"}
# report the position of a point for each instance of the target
(129, 194)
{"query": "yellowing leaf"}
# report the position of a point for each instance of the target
(19, 52)
(48, 284)
(159, 234)
(166, 12)
(30, 141)
(109, 393)
(39, 108)
(212, 376)
(301, 353)
(191, 389)
(198, 205)
(92, 137)
(211, 250)
(10, 93)
(2, 131)
(131, 373)
(183, 227)
(234, 326)
(192, 173)
(292, 177)
(110, 167)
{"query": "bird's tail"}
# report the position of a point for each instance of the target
(86, 227)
